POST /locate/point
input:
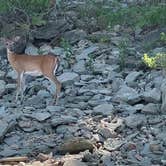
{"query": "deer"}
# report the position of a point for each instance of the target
(39, 65)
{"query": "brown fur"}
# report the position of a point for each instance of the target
(44, 64)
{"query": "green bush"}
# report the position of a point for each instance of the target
(27, 13)
(134, 16)
(30, 6)
(157, 61)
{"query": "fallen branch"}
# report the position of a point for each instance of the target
(13, 159)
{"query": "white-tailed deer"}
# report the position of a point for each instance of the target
(45, 65)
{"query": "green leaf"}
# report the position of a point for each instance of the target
(38, 21)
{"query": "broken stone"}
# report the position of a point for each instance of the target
(86, 52)
(75, 146)
(74, 163)
(152, 96)
(113, 144)
(132, 77)
(135, 120)
(63, 120)
(68, 78)
(103, 109)
(128, 95)
(151, 108)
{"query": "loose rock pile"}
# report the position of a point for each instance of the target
(104, 117)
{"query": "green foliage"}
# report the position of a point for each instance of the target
(38, 20)
(68, 51)
(134, 16)
(123, 53)
(25, 14)
(90, 63)
(29, 6)
(157, 61)
(163, 37)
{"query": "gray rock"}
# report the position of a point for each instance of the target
(80, 67)
(135, 120)
(152, 96)
(138, 107)
(113, 144)
(58, 51)
(55, 108)
(74, 36)
(2, 49)
(115, 52)
(12, 74)
(132, 77)
(158, 50)
(62, 129)
(45, 49)
(2, 111)
(4, 126)
(75, 145)
(103, 109)
(74, 162)
(2, 86)
(2, 73)
(63, 120)
(7, 152)
(106, 132)
(116, 40)
(31, 49)
(155, 146)
(98, 138)
(102, 68)
(128, 95)
(11, 86)
(151, 108)
(152, 36)
(163, 91)
(35, 101)
(99, 35)
(68, 78)
(41, 116)
(86, 77)
(158, 81)
(86, 52)
(28, 124)
(116, 84)
(52, 30)
(43, 93)
(113, 125)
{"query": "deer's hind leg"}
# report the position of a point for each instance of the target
(58, 85)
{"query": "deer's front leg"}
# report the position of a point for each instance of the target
(22, 85)
(18, 86)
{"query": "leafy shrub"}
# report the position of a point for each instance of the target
(163, 37)
(158, 61)
(29, 6)
(135, 16)
(24, 14)
(69, 57)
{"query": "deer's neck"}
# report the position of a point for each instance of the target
(11, 55)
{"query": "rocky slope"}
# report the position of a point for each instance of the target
(107, 115)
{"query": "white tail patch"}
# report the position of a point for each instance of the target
(56, 66)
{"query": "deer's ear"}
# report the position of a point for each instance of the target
(17, 38)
